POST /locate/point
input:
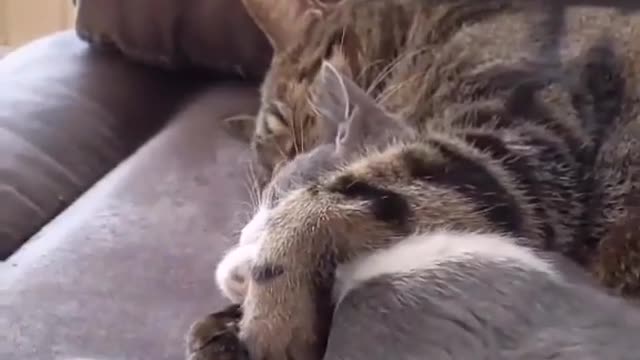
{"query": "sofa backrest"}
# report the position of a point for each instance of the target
(216, 35)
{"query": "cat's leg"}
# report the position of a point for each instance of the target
(288, 307)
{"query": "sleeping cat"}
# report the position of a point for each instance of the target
(456, 296)
(423, 60)
(383, 180)
(364, 39)
(394, 50)
(492, 135)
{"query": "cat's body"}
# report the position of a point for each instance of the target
(517, 177)
(470, 296)
(487, 131)
(468, 63)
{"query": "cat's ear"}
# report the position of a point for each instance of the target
(330, 95)
(282, 21)
(359, 121)
(241, 127)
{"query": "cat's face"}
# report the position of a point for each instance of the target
(361, 124)
(286, 124)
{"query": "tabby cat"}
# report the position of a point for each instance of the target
(387, 38)
(317, 231)
(464, 71)
(476, 133)
(303, 33)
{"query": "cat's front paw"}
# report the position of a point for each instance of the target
(215, 337)
(233, 272)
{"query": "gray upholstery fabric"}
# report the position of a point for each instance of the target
(123, 272)
(67, 116)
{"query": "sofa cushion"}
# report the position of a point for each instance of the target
(123, 272)
(67, 116)
(214, 34)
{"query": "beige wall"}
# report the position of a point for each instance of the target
(25, 20)
(3, 23)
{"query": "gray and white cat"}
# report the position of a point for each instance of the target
(382, 248)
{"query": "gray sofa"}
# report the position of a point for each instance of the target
(119, 192)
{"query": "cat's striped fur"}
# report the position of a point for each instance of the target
(381, 46)
(521, 168)
(455, 63)
(494, 128)
(315, 31)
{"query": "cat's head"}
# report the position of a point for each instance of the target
(286, 124)
(363, 128)
(360, 126)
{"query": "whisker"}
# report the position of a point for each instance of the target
(389, 91)
(386, 71)
(253, 186)
(249, 186)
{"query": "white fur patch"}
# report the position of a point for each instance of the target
(432, 251)
(251, 232)
(232, 273)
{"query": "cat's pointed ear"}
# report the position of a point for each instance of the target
(282, 21)
(241, 127)
(330, 95)
(359, 121)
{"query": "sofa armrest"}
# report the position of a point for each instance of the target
(69, 114)
(124, 270)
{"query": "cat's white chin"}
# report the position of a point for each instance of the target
(232, 273)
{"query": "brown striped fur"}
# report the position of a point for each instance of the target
(527, 172)
(497, 126)
(379, 51)
(365, 49)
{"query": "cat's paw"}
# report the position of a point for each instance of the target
(215, 337)
(233, 272)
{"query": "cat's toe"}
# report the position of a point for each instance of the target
(215, 337)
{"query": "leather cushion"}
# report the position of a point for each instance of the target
(123, 272)
(215, 34)
(67, 116)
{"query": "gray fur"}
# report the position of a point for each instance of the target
(481, 310)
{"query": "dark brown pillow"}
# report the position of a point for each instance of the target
(213, 34)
